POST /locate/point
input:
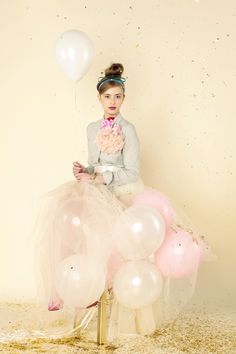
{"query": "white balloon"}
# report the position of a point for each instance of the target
(68, 226)
(77, 230)
(137, 284)
(139, 232)
(74, 53)
(79, 280)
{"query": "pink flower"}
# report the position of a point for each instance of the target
(110, 138)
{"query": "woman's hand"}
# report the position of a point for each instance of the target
(78, 168)
(90, 178)
(81, 175)
(99, 179)
(85, 177)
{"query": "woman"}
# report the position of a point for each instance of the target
(113, 172)
(113, 145)
(76, 229)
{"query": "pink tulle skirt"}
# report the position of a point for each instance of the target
(81, 252)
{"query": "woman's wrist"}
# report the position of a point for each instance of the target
(98, 178)
(93, 176)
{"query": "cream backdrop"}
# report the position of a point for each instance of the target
(180, 59)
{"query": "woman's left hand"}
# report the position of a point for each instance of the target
(99, 179)
(85, 177)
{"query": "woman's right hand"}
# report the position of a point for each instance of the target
(77, 169)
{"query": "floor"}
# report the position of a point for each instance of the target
(24, 328)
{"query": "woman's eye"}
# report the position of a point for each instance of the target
(117, 96)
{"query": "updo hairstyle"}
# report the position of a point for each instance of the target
(113, 77)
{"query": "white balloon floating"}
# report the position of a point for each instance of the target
(139, 232)
(79, 280)
(137, 284)
(74, 53)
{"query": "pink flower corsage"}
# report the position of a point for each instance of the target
(110, 137)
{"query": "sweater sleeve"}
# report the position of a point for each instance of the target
(90, 168)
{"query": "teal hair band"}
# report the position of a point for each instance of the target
(119, 80)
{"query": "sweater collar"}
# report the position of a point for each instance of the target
(117, 119)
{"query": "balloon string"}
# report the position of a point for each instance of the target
(75, 96)
(193, 282)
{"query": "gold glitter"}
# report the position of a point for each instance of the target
(194, 332)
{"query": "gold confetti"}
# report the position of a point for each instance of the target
(194, 332)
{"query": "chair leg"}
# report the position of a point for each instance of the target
(102, 320)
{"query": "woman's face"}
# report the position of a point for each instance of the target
(111, 100)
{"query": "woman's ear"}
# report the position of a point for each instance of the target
(99, 97)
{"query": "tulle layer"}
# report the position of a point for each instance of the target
(78, 257)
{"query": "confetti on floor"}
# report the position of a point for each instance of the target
(194, 332)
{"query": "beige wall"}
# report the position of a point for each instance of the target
(179, 57)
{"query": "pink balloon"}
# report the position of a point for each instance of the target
(114, 263)
(157, 200)
(179, 255)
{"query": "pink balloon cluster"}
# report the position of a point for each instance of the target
(180, 254)
(143, 229)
